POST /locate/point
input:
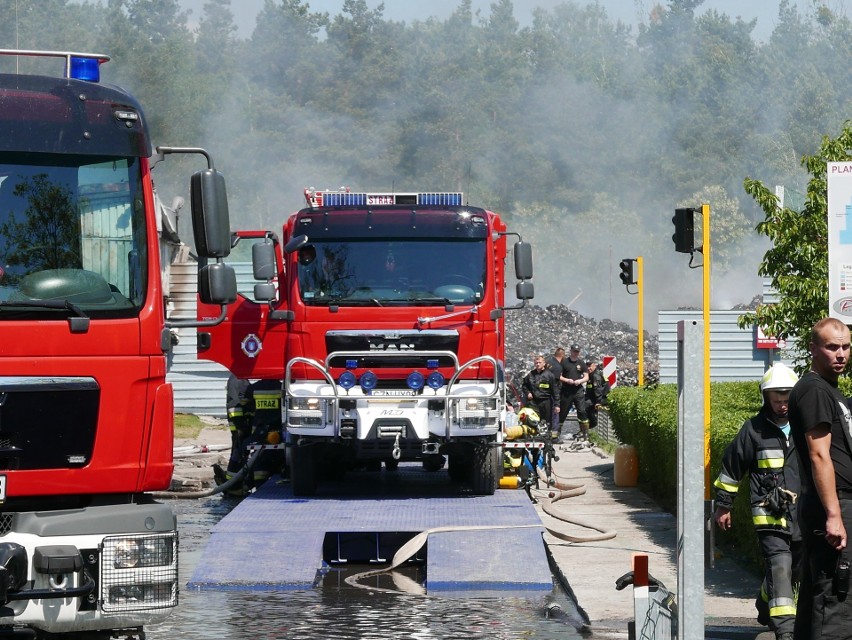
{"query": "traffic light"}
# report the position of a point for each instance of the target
(627, 276)
(684, 235)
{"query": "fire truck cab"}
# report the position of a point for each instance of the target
(86, 415)
(382, 315)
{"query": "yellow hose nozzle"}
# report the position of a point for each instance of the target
(510, 482)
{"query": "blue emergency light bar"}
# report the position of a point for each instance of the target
(78, 66)
(350, 199)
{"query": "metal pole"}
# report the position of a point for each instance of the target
(691, 398)
(640, 283)
(705, 248)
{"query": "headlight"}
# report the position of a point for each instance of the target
(305, 404)
(130, 553)
(138, 572)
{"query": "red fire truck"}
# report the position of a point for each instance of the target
(86, 415)
(382, 313)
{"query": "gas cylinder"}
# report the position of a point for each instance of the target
(626, 466)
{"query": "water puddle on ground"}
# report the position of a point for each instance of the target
(337, 611)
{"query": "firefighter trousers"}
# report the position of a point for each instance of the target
(776, 599)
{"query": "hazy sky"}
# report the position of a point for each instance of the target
(629, 11)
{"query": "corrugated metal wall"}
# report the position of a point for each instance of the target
(199, 385)
(733, 355)
(107, 237)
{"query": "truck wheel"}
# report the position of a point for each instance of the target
(459, 467)
(487, 470)
(303, 471)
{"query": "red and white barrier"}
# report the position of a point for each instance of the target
(610, 369)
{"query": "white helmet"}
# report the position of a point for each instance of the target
(779, 377)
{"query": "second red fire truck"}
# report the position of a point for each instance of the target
(383, 315)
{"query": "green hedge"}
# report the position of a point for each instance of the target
(647, 419)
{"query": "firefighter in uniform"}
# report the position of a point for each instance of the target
(597, 389)
(239, 405)
(764, 449)
(266, 428)
(574, 377)
(540, 388)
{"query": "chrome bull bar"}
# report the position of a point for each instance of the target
(498, 389)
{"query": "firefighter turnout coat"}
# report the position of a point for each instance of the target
(761, 449)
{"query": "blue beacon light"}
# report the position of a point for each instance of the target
(88, 69)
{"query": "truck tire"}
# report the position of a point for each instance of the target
(487, 470)
(460, 467)
(303, 470)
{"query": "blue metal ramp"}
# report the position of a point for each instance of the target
(273, 540)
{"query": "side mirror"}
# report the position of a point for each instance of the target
(210, 218)
(525, 290)
(523, 261)
(263, 260)
(295, 243)
(217, 284)
(264, 291)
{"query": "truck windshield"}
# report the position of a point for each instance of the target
(396, 272)
(72, 230)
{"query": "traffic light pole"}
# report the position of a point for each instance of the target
(705, 251)
(640, 285)
(631, 273)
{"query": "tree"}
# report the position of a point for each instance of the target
(48, 237)
(797, 263)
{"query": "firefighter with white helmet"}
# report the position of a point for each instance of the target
(764, 449)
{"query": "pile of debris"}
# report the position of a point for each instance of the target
(534, 330)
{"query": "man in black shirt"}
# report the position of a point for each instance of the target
(820, 425)
(575, 375)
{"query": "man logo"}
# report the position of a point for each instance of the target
(844, 306)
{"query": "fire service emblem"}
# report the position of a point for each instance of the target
(251, 345)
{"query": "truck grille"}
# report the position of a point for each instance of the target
(47, 423)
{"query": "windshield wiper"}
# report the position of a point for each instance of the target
(79, 322)
(428, 300)
(357, 302)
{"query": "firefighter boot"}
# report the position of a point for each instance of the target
(762, 607)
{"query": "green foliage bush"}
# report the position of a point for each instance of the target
(647, 419)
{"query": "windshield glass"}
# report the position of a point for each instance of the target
(392, 272)
(72, 229)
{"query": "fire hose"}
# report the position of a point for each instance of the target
(409, 549)
(567, 490)
(219, 488)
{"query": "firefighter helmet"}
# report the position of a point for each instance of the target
(779, 377)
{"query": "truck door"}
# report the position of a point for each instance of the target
(251, 340)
